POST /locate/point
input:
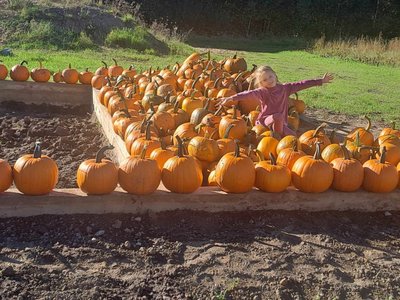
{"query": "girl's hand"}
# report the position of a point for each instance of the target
(327, 78)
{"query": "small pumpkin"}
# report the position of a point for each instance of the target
(40, 74)
(70, 76)
(115, 70)
(162, 154)
(139, 175)
(97, 176)
(3, 71)
(311, 174)
(270, 177)
(35, 174)
(297, 104)
(379, 175)
(331, 152)
(204, 148)
(57, 77)
(348, 173)
(235, 64)
(268, 145)
(239, 131)
(85, 77)
(6, 178)
(181, 173)
(20, 72)
(150, 142)
(102, 70)
(235, 172)
(288, 156)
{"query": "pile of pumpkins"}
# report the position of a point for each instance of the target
(177, 133)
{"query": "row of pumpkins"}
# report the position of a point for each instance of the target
(175, 131)
(20, 72)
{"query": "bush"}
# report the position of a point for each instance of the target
(138, 38)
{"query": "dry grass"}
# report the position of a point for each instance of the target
(372, 51)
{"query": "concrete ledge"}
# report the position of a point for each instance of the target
(208, 199)
(106, 124)
(31, 92)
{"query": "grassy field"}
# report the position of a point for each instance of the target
(358, 88)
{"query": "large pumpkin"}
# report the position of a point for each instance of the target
(270, 177)
(139, 175)
(6, 177)
(238, 131)
(204, 148)
(379, 175)
(19, 72)
(181, 173)
(235, 64)
(311, 174)
(35, 174)
(235, 172)
(289, 156)
(97, 176)
(85, 77)
(348, 173)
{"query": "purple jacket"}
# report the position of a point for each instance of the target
(275, 100)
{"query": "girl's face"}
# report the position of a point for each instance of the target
(267, 79)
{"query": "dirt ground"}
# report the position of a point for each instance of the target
(68, 135)
(183, 254)
(194, 255)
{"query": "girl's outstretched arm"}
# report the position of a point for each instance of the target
(295, 87)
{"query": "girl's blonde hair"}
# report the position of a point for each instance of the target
(257, 73)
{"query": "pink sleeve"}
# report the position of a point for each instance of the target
(294, 87)
(259, 93)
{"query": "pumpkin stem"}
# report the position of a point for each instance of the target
(237, 148)
(345, 151)
(319, 129)
(260, 155)
(148, 136)
(317, 154)
(234, 115)
(273, 159)
(100, 154)
(368, 127)
(105, 64)
(295, 145)
(115, 61)
(393, 125)
(228, 130)
(25, 62)
(383, 155)
(69, 66)
(143, 153)
(37, 153)
(180, 146)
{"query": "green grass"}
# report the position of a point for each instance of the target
(358, 88)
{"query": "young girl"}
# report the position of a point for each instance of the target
(274, 98)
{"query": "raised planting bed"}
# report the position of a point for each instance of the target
(69, 135)
(58, 94)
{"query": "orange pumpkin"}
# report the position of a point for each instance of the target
(270, 177)
(115, 70)
(70, 76)
(287, 142)
(379, 175)
(97, 176)
(288, 156)
(85, 77)
(390, 130)
(162, 154)
(309, 139)
(6, 177)
(3, 71)
(238, 131)
(268, 145)
(102, 70)
(331, 152)
(311, 174)
(366, 137)
(19, 72)
(398, 171)
(203, 148)
(181, 173)
(348, 173)
(40, 74)
(139, 175)
(235, 172)
(235, 64)
(35, 174)
(147, 141)
(57, 77)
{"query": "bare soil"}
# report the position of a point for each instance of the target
(194, 255)
(183, 254)
(69, 135)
